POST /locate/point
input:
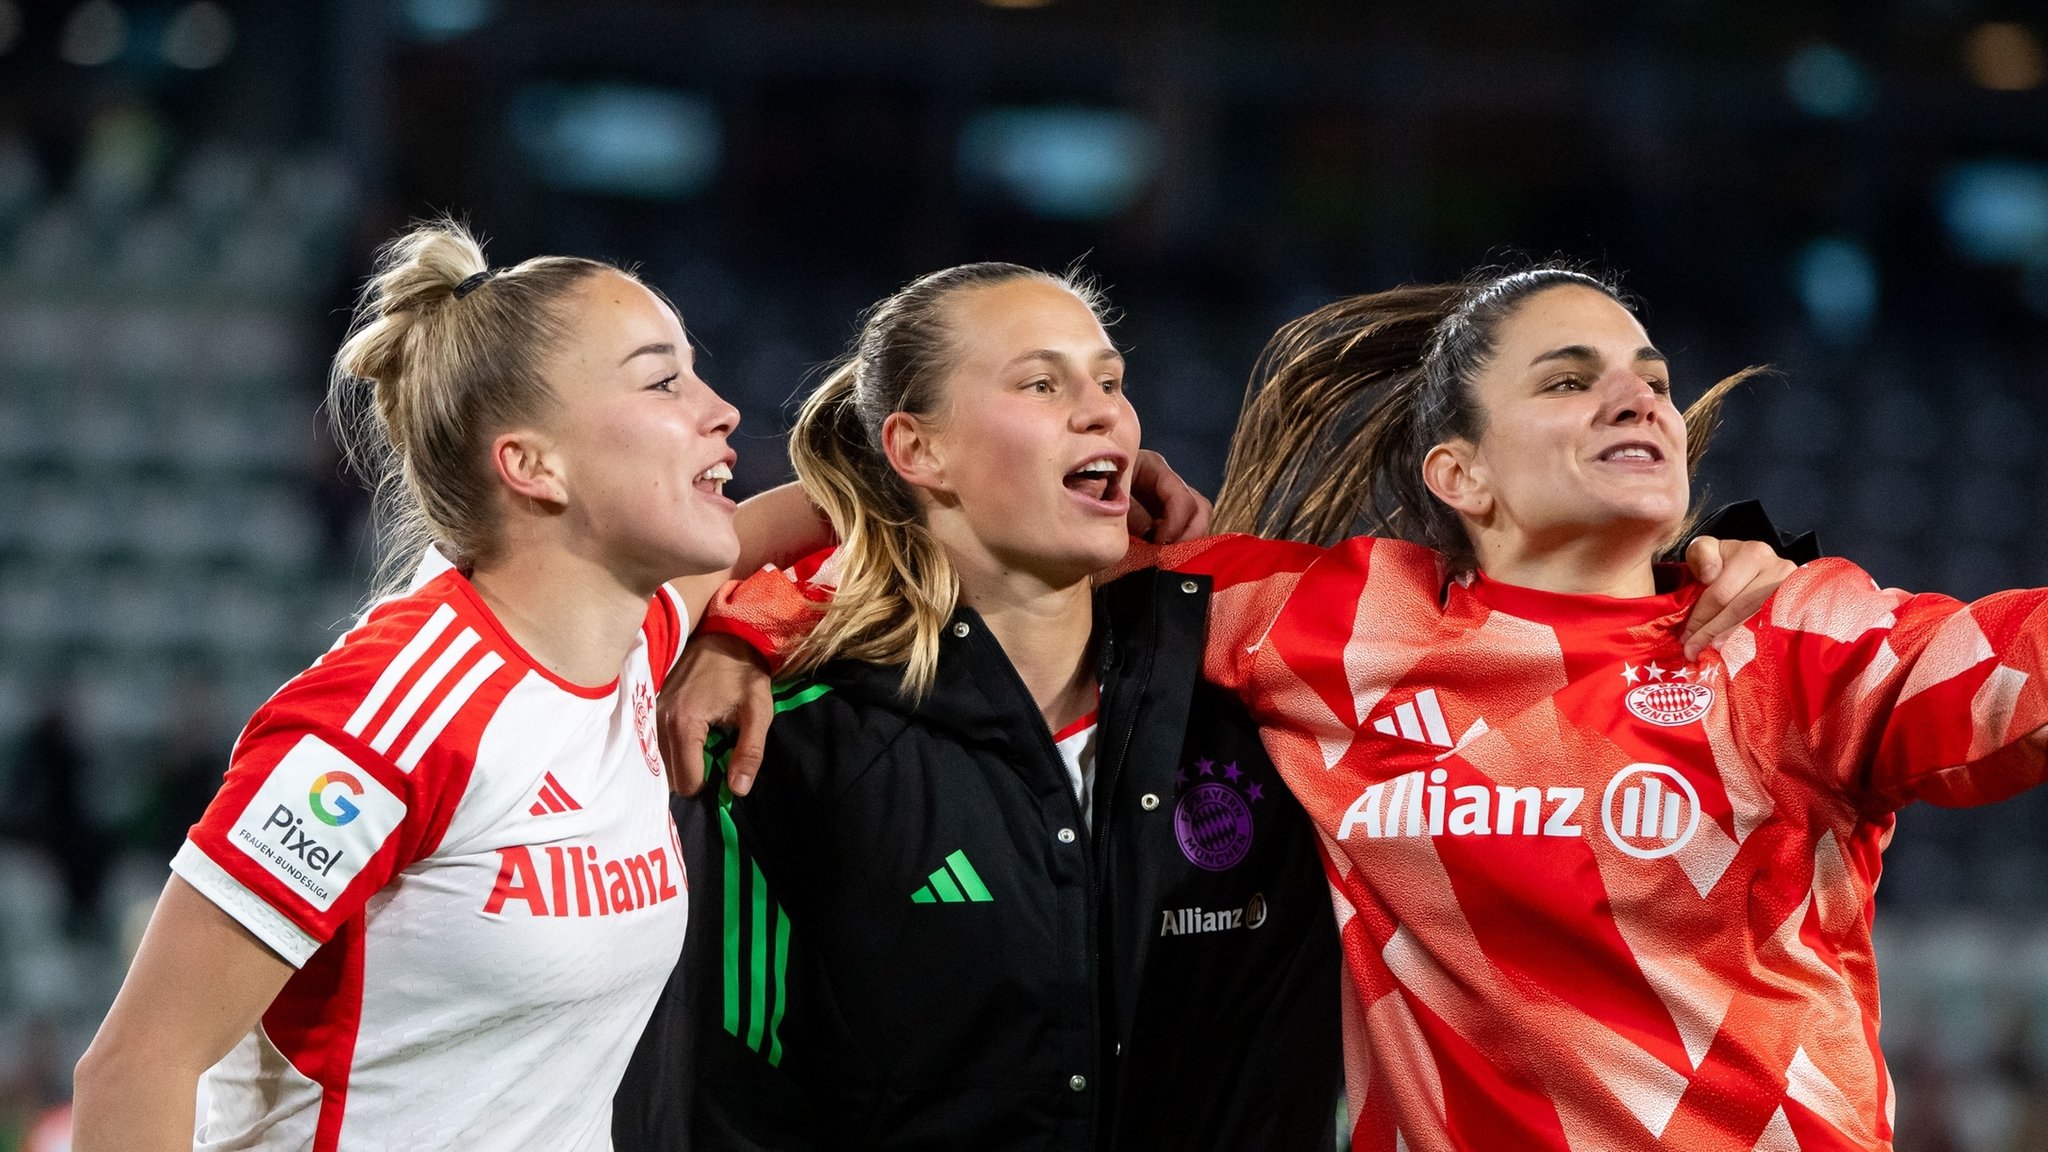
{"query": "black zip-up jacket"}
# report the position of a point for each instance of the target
(906, 936)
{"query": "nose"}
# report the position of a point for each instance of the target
(720, 418)
(1098, 409)
(1634, 400)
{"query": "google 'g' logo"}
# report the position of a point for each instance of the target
(341, 811)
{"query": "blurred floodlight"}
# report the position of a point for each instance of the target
(1826, 81)
(446, 19)
(10, 25)
(94, 34)
(199, 36)
(618, 139)
(2005, 57)
(1070, 163)
(1997, 210)
(1837, 282)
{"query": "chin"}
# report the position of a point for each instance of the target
(1108, 550)
(700, 555)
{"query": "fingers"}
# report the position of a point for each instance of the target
(1164, 507)
(1138, 521)
(1194, 524)
(719, 680)
(752, 739)
(1748, 572)
(1703, 556)
(686, 771)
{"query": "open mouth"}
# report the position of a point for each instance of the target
(713, 479)
(1099, 479)
(1632, 454)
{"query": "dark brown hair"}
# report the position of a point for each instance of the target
(1346, 401)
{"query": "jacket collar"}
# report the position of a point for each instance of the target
(978, 695)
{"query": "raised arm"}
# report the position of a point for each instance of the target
(1899, 697)
(779, 526)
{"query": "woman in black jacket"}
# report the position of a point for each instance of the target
(1014, 875)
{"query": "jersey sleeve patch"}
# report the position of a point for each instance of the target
(316, 821)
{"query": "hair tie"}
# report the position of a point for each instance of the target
(471, 282)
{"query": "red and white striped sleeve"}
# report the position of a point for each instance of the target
(1897, 696)
(344, 777)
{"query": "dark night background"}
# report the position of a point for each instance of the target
(1856, 194)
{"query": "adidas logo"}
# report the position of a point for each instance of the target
(553, 798)
(954, 882)
(1421, 720)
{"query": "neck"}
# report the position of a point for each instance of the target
(573, 615)
(1579, 564)
(1044, 627)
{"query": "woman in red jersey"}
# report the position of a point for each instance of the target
(439, 892)
(1594, 890)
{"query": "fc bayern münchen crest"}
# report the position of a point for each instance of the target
(1213, 822)
(1669, 703)
(644, 716)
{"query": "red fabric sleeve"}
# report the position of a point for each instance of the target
(773, 609)
(1251, 581)
(1898, 697)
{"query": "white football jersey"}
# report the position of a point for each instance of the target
(471, 863)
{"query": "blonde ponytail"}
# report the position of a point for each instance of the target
(442, 355)
(897, 588)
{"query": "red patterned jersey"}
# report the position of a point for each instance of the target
(1592, 895)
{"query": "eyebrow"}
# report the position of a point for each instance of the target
(1582, 352)
(663, 349)
(1061, 357)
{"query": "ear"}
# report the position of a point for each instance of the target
(1454, 474)
(914, 452)
(527, 467)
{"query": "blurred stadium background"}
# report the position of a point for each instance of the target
(189, 193)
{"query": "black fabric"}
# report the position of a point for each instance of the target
(1199, 1004)
(1747, 520)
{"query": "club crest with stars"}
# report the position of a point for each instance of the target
(1668, 697)
(1213, 818)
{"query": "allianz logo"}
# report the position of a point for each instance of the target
(1191, 921)
(1648, 811)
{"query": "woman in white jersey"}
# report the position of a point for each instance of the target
(439, 890)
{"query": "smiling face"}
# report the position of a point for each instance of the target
(635, 439)
(1027, 459)
(1579, 438)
